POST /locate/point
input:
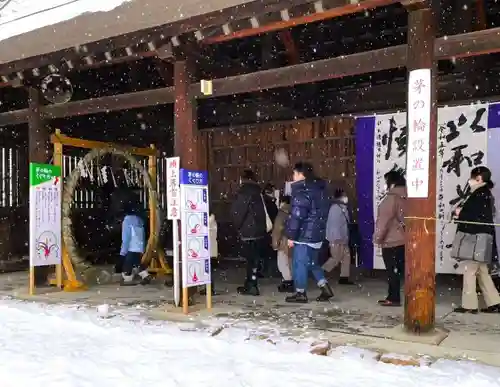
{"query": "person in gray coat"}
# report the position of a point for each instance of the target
(337, 235)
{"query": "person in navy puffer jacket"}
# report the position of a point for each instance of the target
(133, 245)
(305, 230)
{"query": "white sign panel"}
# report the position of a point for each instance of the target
(194, 225)
(462, 144)
(419, 122)
(173, 190)
(45, 215)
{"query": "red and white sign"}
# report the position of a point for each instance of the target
(173, 190)
(419, 130)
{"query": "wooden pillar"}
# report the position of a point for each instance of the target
(39, 152)
(186, 136)
(419, 314)
(39, 134)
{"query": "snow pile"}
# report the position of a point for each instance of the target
(68, 346)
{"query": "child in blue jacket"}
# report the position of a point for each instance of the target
(133, 246)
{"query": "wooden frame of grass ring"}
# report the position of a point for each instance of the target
(70, 256)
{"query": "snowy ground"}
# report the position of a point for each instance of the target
(70, 346)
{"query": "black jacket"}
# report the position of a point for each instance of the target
(249, 216)
(478, 207)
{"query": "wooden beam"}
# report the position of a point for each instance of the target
(463, 45)
(90, 144)
(420, 251)
(340, 9)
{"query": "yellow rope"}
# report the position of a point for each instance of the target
(451, 221)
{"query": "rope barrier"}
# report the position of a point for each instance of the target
(452, 221)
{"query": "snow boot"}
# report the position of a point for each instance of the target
(127, 280)
(345, 281)
(326, 293)
(145, 277)
(249, 289)
(286, 287)
(297, 298)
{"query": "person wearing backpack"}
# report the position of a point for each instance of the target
(337, 235)
(390, 234)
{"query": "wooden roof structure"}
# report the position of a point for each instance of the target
(85, 34)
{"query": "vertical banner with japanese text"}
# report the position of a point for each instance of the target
(391, 136)
(45, 215)
(173, 190)
(462, 146)
(419, 125)
(195, 229)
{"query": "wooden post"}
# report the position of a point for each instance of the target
(39, 152)
(186, 137)
(419, 315)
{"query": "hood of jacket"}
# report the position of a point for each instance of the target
(250, 188)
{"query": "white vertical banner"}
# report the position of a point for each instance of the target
(173, 189)
(462, 145)
(419, 125)
(174, 213)
(390, 154)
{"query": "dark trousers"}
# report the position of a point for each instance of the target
(394, 260)
(131, 261)
(252, 251)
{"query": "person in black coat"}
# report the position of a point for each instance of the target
(249, 219)
(475, 216)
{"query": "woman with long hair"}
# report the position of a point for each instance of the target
(474, 219)
(390, 234)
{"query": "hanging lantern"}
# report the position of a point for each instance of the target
(56, 89)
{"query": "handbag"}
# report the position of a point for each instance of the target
(472, 247)
(269, 224)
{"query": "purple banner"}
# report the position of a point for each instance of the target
(365, 134)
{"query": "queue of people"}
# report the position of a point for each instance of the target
(297, 232)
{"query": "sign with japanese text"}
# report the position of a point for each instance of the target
(419, 123)
(461, 145)
(195, 213)
(173, 190)
(45, 232)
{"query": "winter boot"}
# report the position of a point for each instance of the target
(249, 289)
(145, 277)
(286, 287)
(326, 293)
(345, 281)
(298, 298)
(127, 280)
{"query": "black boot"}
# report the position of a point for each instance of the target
(249, 289)
(285, 287)
(298, 298)
(345, 281)
(326, 293)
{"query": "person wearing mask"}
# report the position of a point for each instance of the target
(478, 208)
(133, 245)
(252, 222)
(337, 234)
(305, 231)
(390, 234)
(280, 244)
